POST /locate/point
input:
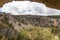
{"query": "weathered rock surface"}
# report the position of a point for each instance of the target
(6, 29)
(33, 20)
(43, 21)
(10, 24)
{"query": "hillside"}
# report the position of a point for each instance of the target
(28, 27)
(20, 20)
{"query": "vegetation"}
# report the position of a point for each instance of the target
(36, 33)
(27, 32)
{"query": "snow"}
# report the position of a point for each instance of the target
(28, 8)
(0, 9)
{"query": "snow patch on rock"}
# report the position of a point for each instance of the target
(28, 8)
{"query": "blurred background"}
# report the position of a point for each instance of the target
(49, 3)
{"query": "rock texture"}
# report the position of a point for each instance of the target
(43, 21)
(10, 25)
(15, 22)
(6, 29)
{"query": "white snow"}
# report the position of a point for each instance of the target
(28, 8)
(0, 9)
